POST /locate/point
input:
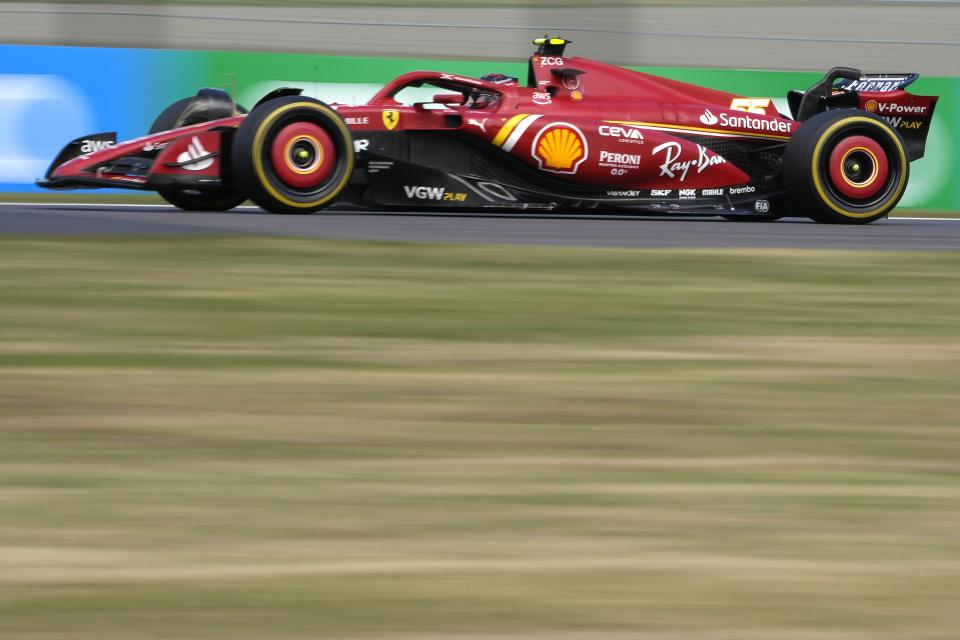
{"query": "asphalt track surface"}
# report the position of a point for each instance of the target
(596, 230)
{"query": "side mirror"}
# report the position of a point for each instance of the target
(449, 98)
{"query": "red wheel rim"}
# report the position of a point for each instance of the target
(859, 167)
(302, 155)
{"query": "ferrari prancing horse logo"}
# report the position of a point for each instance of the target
(391, 118)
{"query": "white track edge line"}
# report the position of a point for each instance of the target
(250, 207)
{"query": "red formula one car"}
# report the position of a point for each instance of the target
(579, 134)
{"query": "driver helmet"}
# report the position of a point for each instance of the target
(480, 99)
(499, 78)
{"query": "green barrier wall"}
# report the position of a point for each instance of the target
(933, 183)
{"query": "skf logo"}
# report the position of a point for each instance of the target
(434, 193)
(560, 148)
(391, 118)
(92, 146)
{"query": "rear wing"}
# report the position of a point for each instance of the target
(879, 83)
(883, 95)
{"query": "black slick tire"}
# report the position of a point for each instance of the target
(191, 199)
(846, 167)
(283, 177)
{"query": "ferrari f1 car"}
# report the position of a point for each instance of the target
(579, 134)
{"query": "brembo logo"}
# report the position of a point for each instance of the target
(708, 118)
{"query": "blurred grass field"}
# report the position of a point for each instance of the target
(252, 438)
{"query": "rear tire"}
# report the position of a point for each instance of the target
(846, 167)
(293, 155)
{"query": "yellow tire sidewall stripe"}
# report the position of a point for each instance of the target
(815, 166)
(258, 155)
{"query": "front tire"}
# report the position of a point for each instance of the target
(846, 167)
(293, 155)
(191, 199)
(167, 119)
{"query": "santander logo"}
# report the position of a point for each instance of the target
(708, 118)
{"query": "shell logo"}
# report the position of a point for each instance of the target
(560, 148)
(871, 105)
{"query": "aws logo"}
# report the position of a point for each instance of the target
(92, 146)
(560, 148)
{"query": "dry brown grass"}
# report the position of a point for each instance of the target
(294, 439)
